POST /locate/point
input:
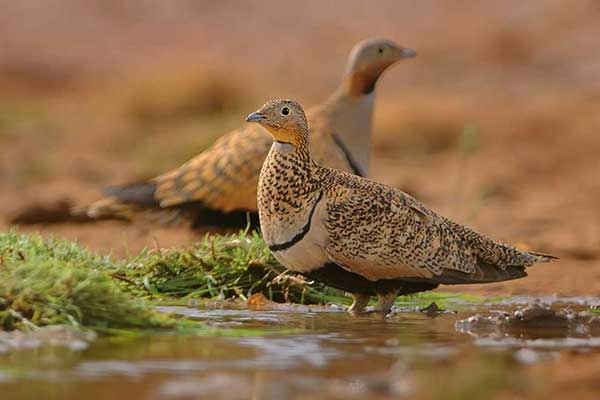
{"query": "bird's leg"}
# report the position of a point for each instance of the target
(359, 303)
(385, 301)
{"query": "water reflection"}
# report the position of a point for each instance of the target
(295, 352)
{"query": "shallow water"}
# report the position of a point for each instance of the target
(293, 352)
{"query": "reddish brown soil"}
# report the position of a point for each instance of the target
(495, 124)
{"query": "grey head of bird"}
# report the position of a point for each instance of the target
(368, 60)
(284, 119)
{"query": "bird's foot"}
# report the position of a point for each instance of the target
(385, 301)
(359, 303)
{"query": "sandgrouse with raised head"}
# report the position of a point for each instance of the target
(361, 236)
(218, 187)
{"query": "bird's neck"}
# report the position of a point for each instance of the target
(290, 166)
(287, 179)
(288, 188)
(293, 157)
(352, 117)
(361, 82)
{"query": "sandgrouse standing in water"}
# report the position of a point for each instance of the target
(361, 236)
(218, 187)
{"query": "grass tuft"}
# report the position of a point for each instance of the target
(52, 282)
(219, 267)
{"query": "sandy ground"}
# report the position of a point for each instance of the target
(495, 124)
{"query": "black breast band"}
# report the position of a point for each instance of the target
(300, 235)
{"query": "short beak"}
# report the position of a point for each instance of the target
(407, 53)
(255, 117)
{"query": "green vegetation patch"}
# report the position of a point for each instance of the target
(444, 300)
(56, 282)
(219, 267)
(53, 281)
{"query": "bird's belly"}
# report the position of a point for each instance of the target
(308, 253)
(302, 257)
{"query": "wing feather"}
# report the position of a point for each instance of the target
(223, 177)
(382, 233)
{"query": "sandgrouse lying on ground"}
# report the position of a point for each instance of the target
(362, 236)
(218, 187)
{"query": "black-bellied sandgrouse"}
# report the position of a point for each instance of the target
(362, 236)
(218, 187)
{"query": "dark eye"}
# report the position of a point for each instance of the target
(380, 50)
(285, 111)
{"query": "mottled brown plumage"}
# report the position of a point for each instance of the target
(362, 236)
(224, 178)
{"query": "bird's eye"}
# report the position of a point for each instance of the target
(380, 50)
(285, 111)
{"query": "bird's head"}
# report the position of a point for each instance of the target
(368, 60)
(284, 119)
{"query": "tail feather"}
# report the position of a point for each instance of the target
(140, 193)
(57, 212)
(485, 273)
(122, 202)
(494, 261)
(107, 208)
(542, 257)
(497, 254)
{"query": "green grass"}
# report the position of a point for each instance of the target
(56, 282)
(53, 281)
(218, 267)
(446, 301)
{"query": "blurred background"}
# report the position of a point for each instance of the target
(495, 124)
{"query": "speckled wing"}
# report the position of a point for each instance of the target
(381, 233)
(223, 177)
